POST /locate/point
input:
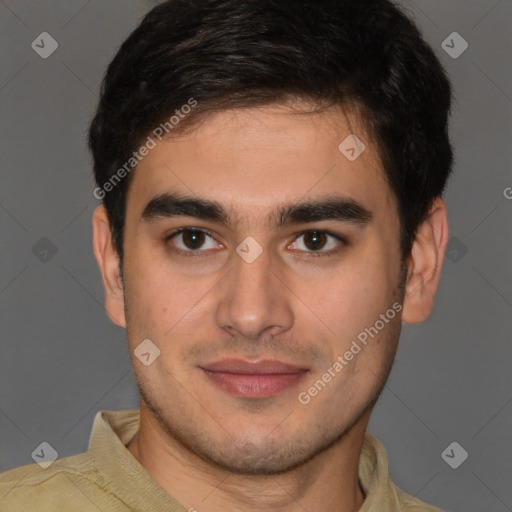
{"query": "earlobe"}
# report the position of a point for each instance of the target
(425, 264)
(108, 261)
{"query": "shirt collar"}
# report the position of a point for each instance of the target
(120, 472)
(380, 492)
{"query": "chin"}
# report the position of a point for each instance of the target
(253, 459)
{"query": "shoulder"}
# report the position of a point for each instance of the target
(67, 480)
(34, 474)
(411, 504)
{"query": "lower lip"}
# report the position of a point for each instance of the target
(255, 386)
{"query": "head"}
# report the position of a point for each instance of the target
(235, 120)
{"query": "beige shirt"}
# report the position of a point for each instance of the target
(108, 478)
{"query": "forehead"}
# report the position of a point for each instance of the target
(253, 159)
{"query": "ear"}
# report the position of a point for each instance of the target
(108, 261)
(425, 263)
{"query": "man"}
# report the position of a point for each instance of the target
(271, 175)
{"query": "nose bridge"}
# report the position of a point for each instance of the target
(251, 279)
(253, 300)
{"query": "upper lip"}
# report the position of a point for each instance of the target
(264, 367)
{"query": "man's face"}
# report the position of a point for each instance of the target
(243, 336)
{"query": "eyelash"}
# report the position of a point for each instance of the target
(313, 254)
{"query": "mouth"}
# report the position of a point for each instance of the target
(247, 379)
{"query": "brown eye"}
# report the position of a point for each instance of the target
(192, 242)
(193, 239)
(315, 240)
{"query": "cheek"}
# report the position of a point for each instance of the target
(167, 305)
(154, 297)
(357, 294)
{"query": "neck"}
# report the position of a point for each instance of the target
(328, 482)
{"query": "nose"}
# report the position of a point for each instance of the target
(255, 301)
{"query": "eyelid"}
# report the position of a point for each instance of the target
(340, 237)
(188, 228)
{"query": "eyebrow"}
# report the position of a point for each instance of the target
(336, 208)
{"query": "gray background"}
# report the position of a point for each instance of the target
(62, 360)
